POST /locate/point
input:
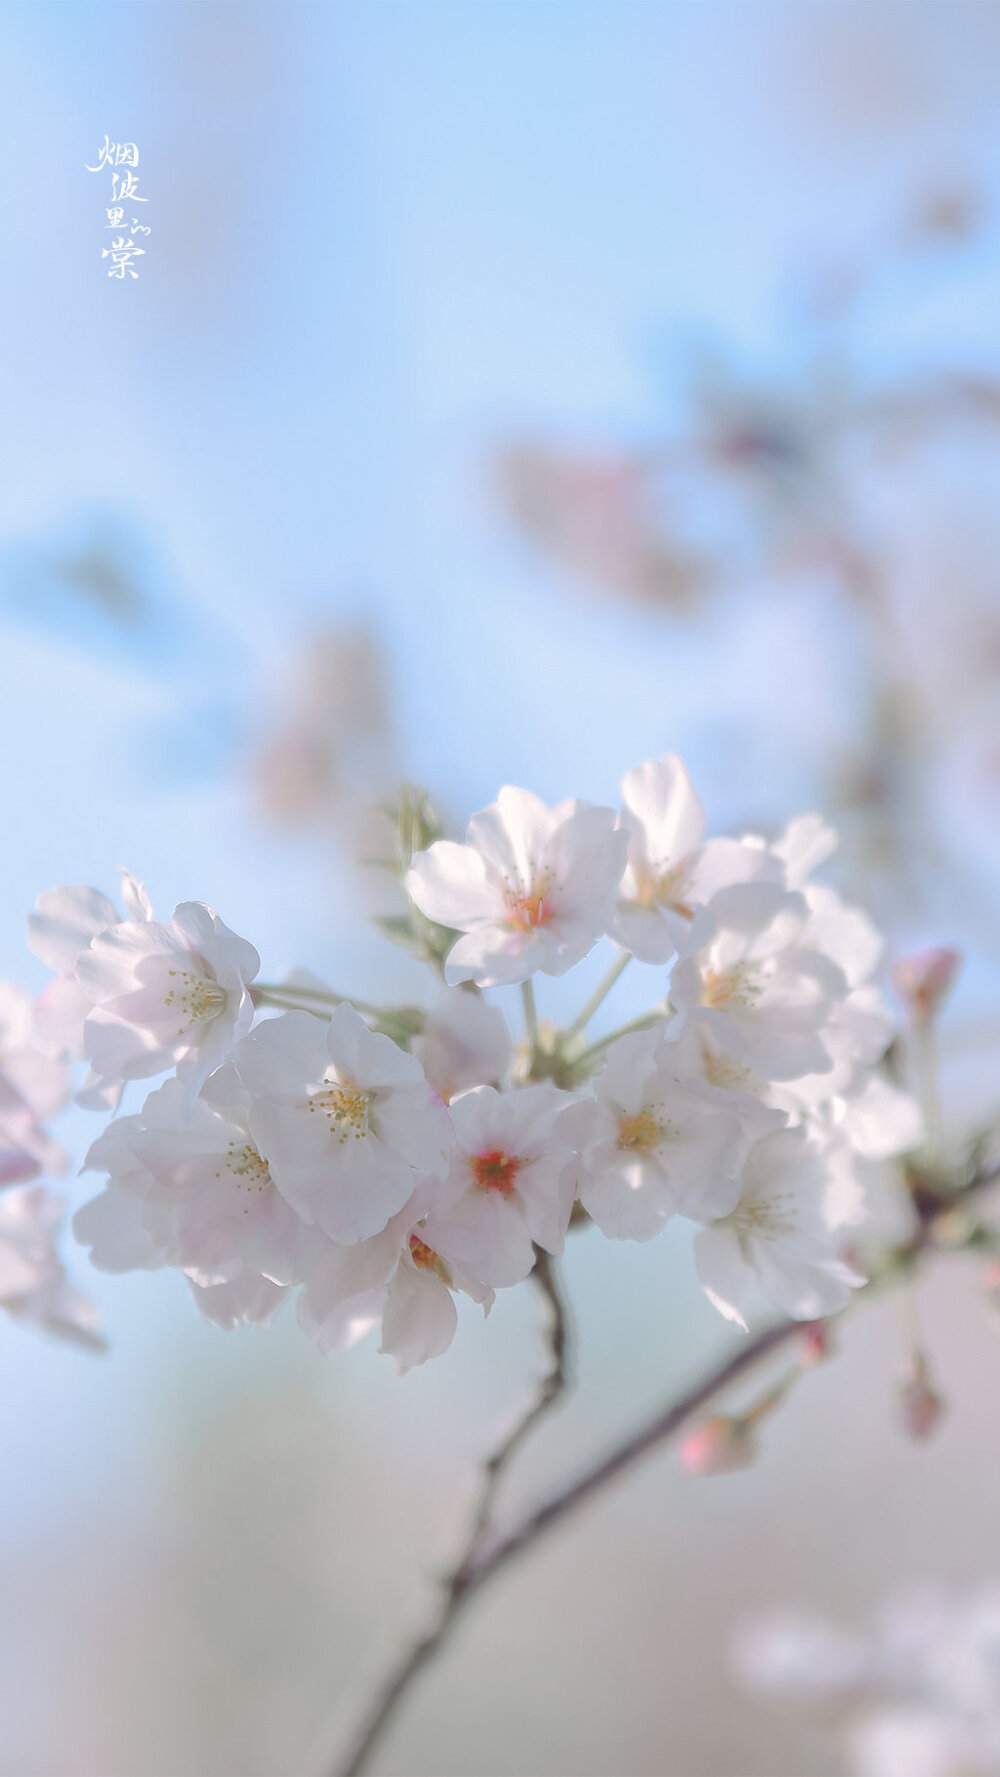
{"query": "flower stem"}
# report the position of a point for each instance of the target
(646, 1022)
(600, 994)
(530, 1014)
(928, 1088)
(268, 993)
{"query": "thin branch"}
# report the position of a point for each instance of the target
(482, 1561)
(655, 1432)
(455, 1584)
(550, 1390)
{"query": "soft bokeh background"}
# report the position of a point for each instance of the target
(269, 539)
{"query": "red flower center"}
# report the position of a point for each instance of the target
(496, 1172)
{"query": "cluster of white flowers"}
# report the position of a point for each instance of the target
(384, 1172)
(917, 1696)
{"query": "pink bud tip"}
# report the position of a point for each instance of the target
(815, 1343)
(923, 982)
(717, 1446)
(919, 1405)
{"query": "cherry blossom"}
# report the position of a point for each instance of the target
(652, 1143)
(209, 1202)
(766, 994)
(532, 887)
(164, 996)
(395, 1279)
(33, 1284)
(670, 873)
(778, 1240)
(917, 1694)
(63, 926)
(34, 1086)
(512, 1181)
(345, 1118)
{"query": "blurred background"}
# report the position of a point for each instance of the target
(510, 392)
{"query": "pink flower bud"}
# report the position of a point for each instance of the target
(717, 1446)
(991, 1281)
(815, 1343)
(920, 1406)
(923, 982)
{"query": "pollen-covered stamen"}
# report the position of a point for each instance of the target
(531, 908)
(738, 986)
(666, 888)
(766, 1217)
(426, 1259)
(721, 1070)
(249, 1169)
(496, 1171)
(346, 1109)
(195, 998)
(641, 1132)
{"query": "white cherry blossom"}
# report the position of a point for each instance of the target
(766, 996)
(395, 1279)
(33, 1087)
(532, 887)
(210, 1202)
(345, 1118)
(512, 1182)
(34, 1287)
(670, 873)
(778, 1240)
(164, 996)
(64, 924)
(652, 1144)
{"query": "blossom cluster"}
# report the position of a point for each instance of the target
(382, 1163)
(917, 1695)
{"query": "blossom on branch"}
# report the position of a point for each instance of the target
(532, 887)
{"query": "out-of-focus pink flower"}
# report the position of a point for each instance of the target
(924, 981)
(719, 1445)
(920, 1406)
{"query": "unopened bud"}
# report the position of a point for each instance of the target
(920, 1406)
(991, 1282)
(717, 1446)
(923, 982)
(815, 1343)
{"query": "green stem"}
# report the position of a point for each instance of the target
(646, 1022)
(600, 994)
(269, 992)
(928, 1089)
(530, 1014)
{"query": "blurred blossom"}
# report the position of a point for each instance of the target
(33, 1284)
(917, 1695)
(920, 1405)
(718, 1446)
(924, 982)
(871, 479)
(597, 516)
(330, 751)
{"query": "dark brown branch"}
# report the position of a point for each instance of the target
(480, 1562)
(457, 1584)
